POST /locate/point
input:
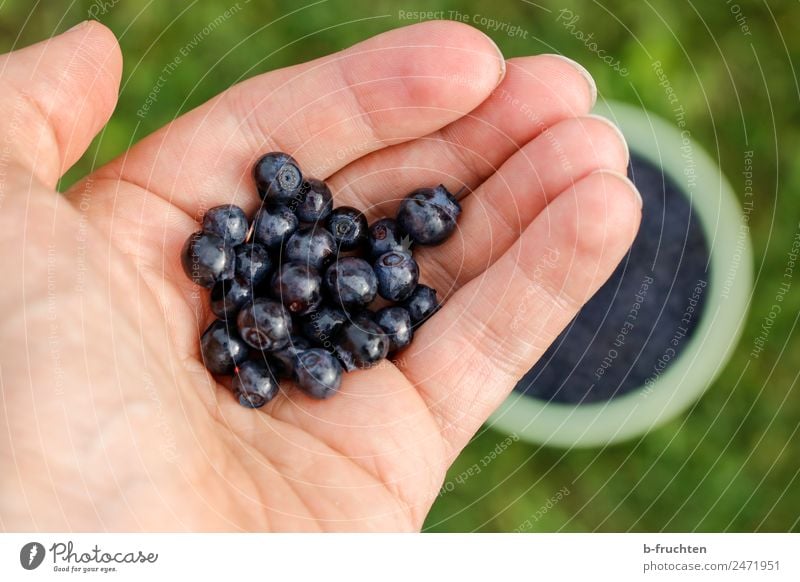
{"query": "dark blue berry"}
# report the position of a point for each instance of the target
(221, 348)
(428, 215)
(324, 325)
(278, 177)
(385, 236)
(361, 345)
(206, 259)
(396, 323)
(421, 304)
(318, 373)
(397, 273)
(298, 287)
(348, 227)
(274, 225)
(227, 297)
(228, 222)
(351, 282)
(254, 384)
(360, 314)
(284, 360)
(313, 246)
(316, 201)
(264, 324)
(252, 263)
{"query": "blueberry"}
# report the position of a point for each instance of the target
(358, 314)
(313, 246)
(316, 201)
(396, 323)
(206, 259)
(228, 222)
(227, 297)
(384, 236)
(264, 324)
(429, 215)
(397, 273)
(318, 373)
(221, 348)
(351, 282)
(324, 325)
(278, 177)
(348, 227)
(362, 344)
(274, 225)
(421, 304)
(298, 287)
(284, 360)
(252, 263)
(254, 384)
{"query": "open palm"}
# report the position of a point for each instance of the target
(112, 422)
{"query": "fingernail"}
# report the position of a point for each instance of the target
(616, 129)
(501, 58)
(625, 180)
(582, 70)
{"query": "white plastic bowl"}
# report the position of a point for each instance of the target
(706, 352)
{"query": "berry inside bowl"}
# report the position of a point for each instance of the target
(654, 337)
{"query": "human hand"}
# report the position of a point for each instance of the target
(111, 422)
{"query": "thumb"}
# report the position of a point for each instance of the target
(56, 95)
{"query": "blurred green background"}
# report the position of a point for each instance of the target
(732, 462)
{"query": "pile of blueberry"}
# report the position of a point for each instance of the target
(292, 289)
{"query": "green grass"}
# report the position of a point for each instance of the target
(730, 463)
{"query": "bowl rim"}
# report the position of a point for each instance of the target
(719, 329)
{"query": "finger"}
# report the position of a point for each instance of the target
(57, 95)
(466, 359)
(326, 113)
(499, 210)
(536, 93)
